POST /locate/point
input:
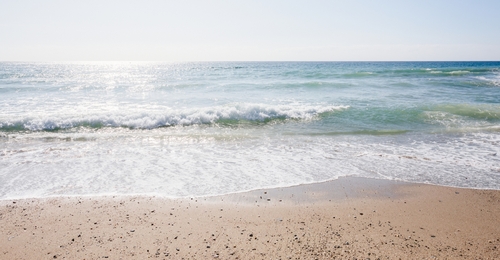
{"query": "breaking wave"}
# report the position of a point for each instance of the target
(221, 115)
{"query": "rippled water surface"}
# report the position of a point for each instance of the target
(194, 129)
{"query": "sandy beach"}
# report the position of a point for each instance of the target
(346, 218)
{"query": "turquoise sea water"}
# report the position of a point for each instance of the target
(195, 129)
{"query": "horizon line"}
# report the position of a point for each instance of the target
(187, 61)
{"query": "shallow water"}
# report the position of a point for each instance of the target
(195, 129)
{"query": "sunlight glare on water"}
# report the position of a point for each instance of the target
(196, 129)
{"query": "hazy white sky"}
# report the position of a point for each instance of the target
(249, 30)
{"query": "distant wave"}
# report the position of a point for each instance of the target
(464, 117)
(492, 80)
(485, 112)
(224, 115)
(459, 72)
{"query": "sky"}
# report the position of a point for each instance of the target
(252, 30)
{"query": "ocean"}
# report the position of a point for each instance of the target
(208, 128)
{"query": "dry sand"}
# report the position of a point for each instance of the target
(345, 219)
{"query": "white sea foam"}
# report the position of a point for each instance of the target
(229, 130)
(135, 118)
(492, 79)
(459, 72)
(195, 164)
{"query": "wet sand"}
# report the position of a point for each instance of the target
(345, 218)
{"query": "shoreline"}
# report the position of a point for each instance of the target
(307, 187)
(347, 217)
